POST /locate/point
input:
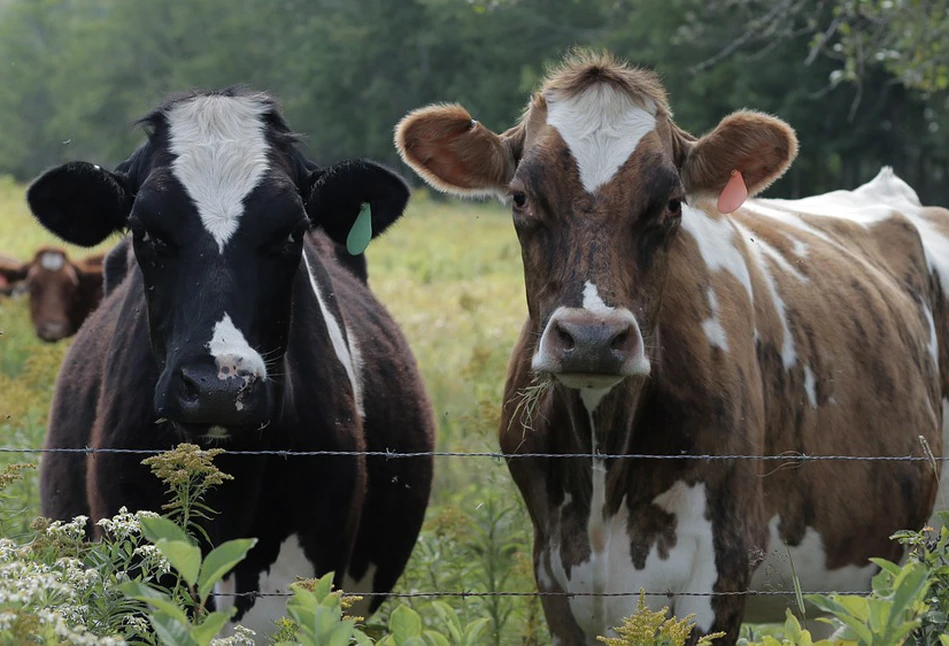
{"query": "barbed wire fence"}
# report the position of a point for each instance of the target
(790, 458)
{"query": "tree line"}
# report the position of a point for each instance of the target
(863, 82)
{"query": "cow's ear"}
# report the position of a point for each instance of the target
(90, 276)
(355, 199)
(11, 272)
(758, 146)
(456, 154)
(81, 202)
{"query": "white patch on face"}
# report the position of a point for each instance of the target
(221, 156)
(361, 585)
(810, 386)
(52, 261)
(602, 127)
(343, 352)
(690, 566)
(715, 238)
(712, 326)
(592, 301)
(234, 357)
(291, 563)
(809, 564)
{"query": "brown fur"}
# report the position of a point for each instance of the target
(855, 307)
(59, 300)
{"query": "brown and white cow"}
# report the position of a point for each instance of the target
(62, 292)
(661, 325)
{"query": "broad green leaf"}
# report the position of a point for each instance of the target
(433, 638)
(184, 557)
(170, 631)
(221, 559)
(341, 634)
(474, 630)
(450, 619)
(911, 586)
(156, 529)
(154, 598)
(887, 566)
(944, 640)
(210, 627)
(404, 624)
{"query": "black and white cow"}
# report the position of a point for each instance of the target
(232, 322)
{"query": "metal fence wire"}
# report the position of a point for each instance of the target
(787, 457)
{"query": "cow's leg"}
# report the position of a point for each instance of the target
(564, 629)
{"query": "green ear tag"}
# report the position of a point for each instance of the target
(361, 233)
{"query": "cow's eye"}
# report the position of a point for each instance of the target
(519, 199)
(287, 243)
(675, 207)
(152, 239)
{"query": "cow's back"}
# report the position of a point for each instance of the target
(825, 319)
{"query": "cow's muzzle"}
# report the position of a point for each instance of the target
(583, 349)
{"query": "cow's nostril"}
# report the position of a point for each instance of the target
(619, 341)
(189, 387)
(564, 338)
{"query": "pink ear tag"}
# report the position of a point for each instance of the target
(734, 194)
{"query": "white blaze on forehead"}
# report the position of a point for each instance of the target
(602, 127)
(221, 156)
(351, 359)
(232, 354)
(52, 260)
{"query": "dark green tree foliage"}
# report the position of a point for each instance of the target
(75, 73)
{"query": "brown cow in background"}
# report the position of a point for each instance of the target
(62, 292)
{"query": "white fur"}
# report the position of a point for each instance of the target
(52, 261)
(809, 564)
(221, 156)
(715, 240)
(810, 386)
(712, 326)
(690, 566)
(800, 249)
(233, 355)
(592, 301)
(758, 253)
(364, 584)
(291, 563)
(876, 201)
(340, 347)
(933, 339)
(602, 127)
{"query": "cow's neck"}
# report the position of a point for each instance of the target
(597, 424)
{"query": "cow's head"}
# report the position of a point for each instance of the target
(62, 291)
(597, 173)
(218, 201)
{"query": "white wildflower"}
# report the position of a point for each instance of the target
(242, 637)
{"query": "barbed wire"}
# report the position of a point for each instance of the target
(394, 455)
(466, 593)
